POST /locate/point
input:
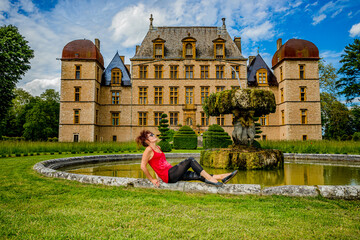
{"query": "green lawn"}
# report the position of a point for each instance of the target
(37, 207)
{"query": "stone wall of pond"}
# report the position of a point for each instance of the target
(49, 168)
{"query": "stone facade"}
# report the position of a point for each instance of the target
(96, 107)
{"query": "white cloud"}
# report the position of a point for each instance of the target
(336, 13)
(318, 19)
(38, 86)
(355, 30)
(261, 32)
(4, 5)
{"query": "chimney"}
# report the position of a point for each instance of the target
(278, 43)
(122, 59)
(97, 43)
(128, 67)
(237, 41)
(251, 58)
(137, 48)
(223, 26)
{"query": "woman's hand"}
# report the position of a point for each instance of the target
(155, 182)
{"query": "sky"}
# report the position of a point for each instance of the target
(48, 25)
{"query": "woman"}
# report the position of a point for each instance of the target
(171, 174)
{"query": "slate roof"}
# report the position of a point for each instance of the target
(116, 62)
(257, 64)
(173, 44)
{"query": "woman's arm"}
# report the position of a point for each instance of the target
(144, 161)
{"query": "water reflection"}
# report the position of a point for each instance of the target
(294, 173)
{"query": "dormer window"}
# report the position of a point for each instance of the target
(189, 47)
(116, 76)
(219, 47)
(261, 76)
(158, 47)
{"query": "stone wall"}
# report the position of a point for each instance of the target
(48, 168)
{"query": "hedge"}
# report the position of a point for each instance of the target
(216, 137)
(185, 138)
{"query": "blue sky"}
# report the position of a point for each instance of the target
(49, 25)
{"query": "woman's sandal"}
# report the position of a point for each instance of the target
(217, 184)
(228, 178)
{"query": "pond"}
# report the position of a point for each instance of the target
(305, 172)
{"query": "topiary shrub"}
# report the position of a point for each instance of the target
(216, 137)
(185, 138)
(164, 134)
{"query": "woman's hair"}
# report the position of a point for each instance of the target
(141, 139)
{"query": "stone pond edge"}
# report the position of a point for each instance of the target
(48, 168)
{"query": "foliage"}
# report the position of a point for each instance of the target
(164, 134)
(356, 136)
(327, 78)
(350, 70)
(15, 55)
(185, 138)
(262, 102)
(355, 118)
(335, 118)
(216, 137)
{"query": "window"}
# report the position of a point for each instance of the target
(174, 72)
(264, 137)
(220, 88)
(261, 76)
(159, 50)
(219, 50)
(302, 71)
(282, 117)
(97, 94)
(142, 118)
(204, 119)
(97, 117)
(189, 95)
(264, 120)
(235, 87)
(174, 118)
(77, 94)
(76, 116)
(304, 137)
(143, 71)
(76, 137)
(115, 119)
(303, 116)
(114, 138)
(157, 118)
(282, 95)
(142, 95)
(302, 94)
(235, 74)
(204, 94)
(189, 72)
(204, 72)
(115, 97)
(115, 76)
(97, 73)
(220, 71)
(174, 92)
(189, 50)
(220, 120)
(281, 74)
(158, 95)
(158, 71)
(189, 121)
(77, 71)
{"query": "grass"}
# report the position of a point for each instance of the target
(36, 207)
(320, 146)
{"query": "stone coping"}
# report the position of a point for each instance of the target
(49, 168)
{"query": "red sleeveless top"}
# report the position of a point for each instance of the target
(160, 165)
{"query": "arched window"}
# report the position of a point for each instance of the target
(189, 121)
(189, 50)
(261, 76)
(115, 76)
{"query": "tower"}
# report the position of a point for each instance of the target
(81, 69)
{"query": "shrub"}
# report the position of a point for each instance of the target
(185, 138)
(356, 136)
(164, 134)
(216, 137)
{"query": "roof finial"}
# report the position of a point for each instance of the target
(223, 26)
(151, 20)
(258, 49)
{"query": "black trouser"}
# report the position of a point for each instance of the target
(180, 171)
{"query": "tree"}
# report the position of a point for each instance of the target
(15, 55)
(350, 83)
(355, 118)
(164, 129)
(327, 77)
